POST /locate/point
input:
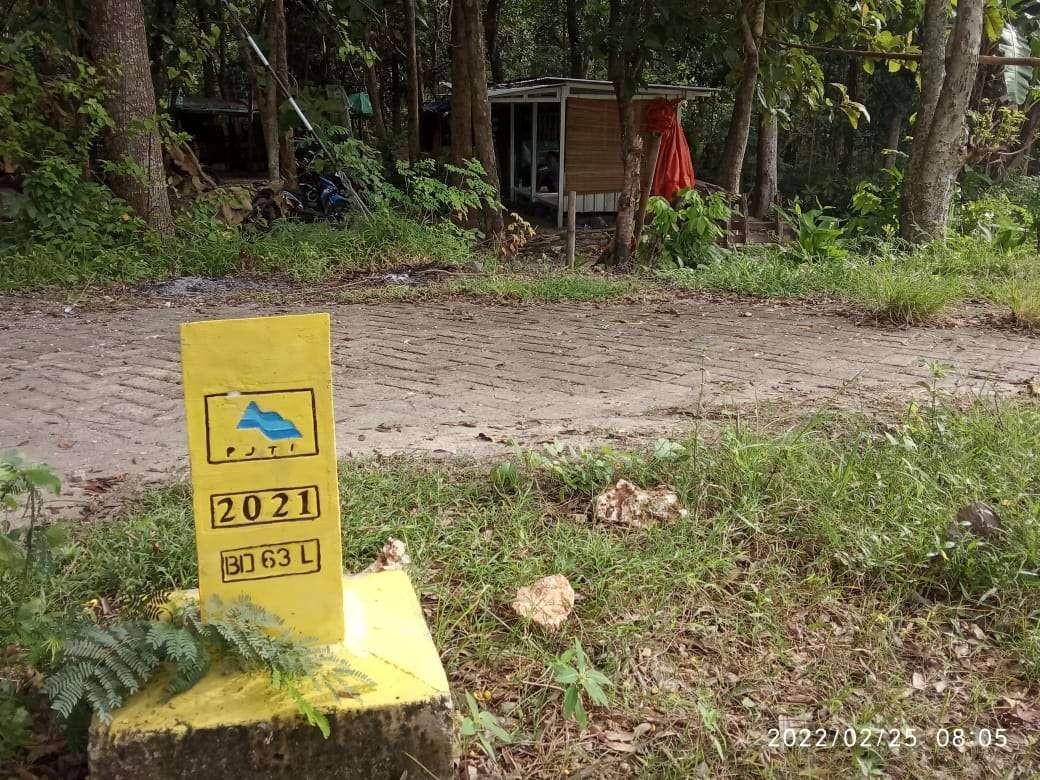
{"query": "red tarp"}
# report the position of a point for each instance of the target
(674, 166)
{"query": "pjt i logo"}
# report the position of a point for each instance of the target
(242, 426)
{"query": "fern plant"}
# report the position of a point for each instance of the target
(101, 667)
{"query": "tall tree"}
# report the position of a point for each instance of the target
(470, 98)
(121, 48)
(576, 52)
(766, 176)
(494, 53)
(412, 76)
(625, 68)
(751, 24)
(280, 61)
(949, 61)
(374, 87)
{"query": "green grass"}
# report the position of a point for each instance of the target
(1024, 300)
(910, 286)
(814, 575)
(304, 252)
(905, 296)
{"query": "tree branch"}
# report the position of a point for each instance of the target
(904, 56)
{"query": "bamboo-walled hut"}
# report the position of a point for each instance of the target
(559, 135)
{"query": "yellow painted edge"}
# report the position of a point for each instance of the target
(386, 638)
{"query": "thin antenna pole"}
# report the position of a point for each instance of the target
(292, 102)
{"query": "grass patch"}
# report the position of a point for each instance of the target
(305, 252)
(1025, 304)
(764, 272)
(551, 288)
(905, 296)
(892, 282)
(814, 578)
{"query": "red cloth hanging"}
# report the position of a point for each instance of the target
(674, 166)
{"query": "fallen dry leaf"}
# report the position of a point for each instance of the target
(546, 602)
(626, 504)
(393, 556)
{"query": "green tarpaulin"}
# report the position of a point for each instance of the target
(360, 104)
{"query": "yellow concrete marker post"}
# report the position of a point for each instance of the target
(261, 437)
(258, 397)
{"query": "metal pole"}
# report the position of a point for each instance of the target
(292, 102)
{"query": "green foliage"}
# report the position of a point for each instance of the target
(48, 124)
(995, 217)
(24, 484)
(484, 726)
(428, 196)
(15, 722)
(574, 671)
(817, 235)
(100, 667)
(19, 478)
(505, 477)
(686, 235)
(575, 472)
(875, 205)
(54, 111)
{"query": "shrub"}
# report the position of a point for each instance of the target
(817, 235)
(686, 235)
(875, 205)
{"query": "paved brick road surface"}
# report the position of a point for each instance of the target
(99, 393)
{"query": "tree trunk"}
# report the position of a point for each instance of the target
(461, 112)
(751, 19)
(494, 55)
(480, 106)
(395, 93)
(432, 62)
(72, 26)
(577, 55)
(120, 43)
(766, 178)
(628, 199)
(625, 69)
(852, 85)
(937, 153)
(412, 74)
(893, 135)
(280, 60)
(375, 93)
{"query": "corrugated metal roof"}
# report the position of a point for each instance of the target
(552, 86)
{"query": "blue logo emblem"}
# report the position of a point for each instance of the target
(270, 424)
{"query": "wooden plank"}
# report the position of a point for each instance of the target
(572, 227)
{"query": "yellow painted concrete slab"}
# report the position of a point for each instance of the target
(261, 437)
(387, 639)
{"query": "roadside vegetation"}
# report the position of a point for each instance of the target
(819, 577)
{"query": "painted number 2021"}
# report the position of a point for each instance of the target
(233, 510)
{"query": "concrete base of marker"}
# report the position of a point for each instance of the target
(232, 725)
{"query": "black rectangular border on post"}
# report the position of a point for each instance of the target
(251, 547)
(313, 516)
(314, 421)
